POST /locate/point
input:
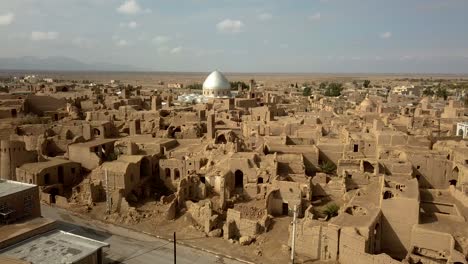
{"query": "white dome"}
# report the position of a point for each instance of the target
(216, 81)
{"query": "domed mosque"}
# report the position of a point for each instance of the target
(216, 85)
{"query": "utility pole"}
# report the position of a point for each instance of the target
(174, 248)
(108, 202)
(293, 242)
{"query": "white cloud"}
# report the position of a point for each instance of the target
(39, 35)
(130, 7)
(131, 25)
(121, 43)
(386, 35)
(159, 40)
(176, 50)
(230, 26)
(315, 17)
(6, 19)
(265, 16)
(83, 42)
(163, 49)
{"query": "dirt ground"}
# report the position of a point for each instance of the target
(270, 247)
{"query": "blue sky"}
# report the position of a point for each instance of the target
(391, 36)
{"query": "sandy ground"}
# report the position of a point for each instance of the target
(151, 79)
(267, 248)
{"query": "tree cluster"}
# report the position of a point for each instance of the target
(235, 85)
(307, 91)
(195, 86)
(331, 89)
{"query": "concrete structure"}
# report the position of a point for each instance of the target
(57, 247)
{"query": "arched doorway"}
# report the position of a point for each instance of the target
(176, 174)
(454, 178)
(96, 132)
(69, 135)
(221, 139)
(239, 179)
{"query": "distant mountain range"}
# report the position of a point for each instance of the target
(59, 64)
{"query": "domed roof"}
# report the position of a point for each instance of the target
(216, 81)
(367, 102)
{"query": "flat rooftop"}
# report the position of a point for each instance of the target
(8, 187)
(38, 166)
(54, 247)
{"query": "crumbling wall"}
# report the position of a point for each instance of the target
(202, 214)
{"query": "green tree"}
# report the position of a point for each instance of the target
(307, 91)
(366, 83)
(323, 85)
(331, 210)
(195, 86)
(442, 93)
(235, 85)
(328, 167)
(428, 92)
(334, 89)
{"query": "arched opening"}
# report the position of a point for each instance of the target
(14, 113)
(176, 174)
(69, 135)
(368, 167)
(221, 139)
(460, 132)
(96, 132)
(145, 168)
(259, 180)
(454, 179)
(239, 179)
(167, 172)
(60, 174)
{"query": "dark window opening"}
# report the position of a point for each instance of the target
(202, 179)
(387, 195)
(176, 174)
(239, 179)
(356, 148)
(260, 180)
(285, 208)
(46, 179)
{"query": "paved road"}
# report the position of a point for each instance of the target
(129, 247)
